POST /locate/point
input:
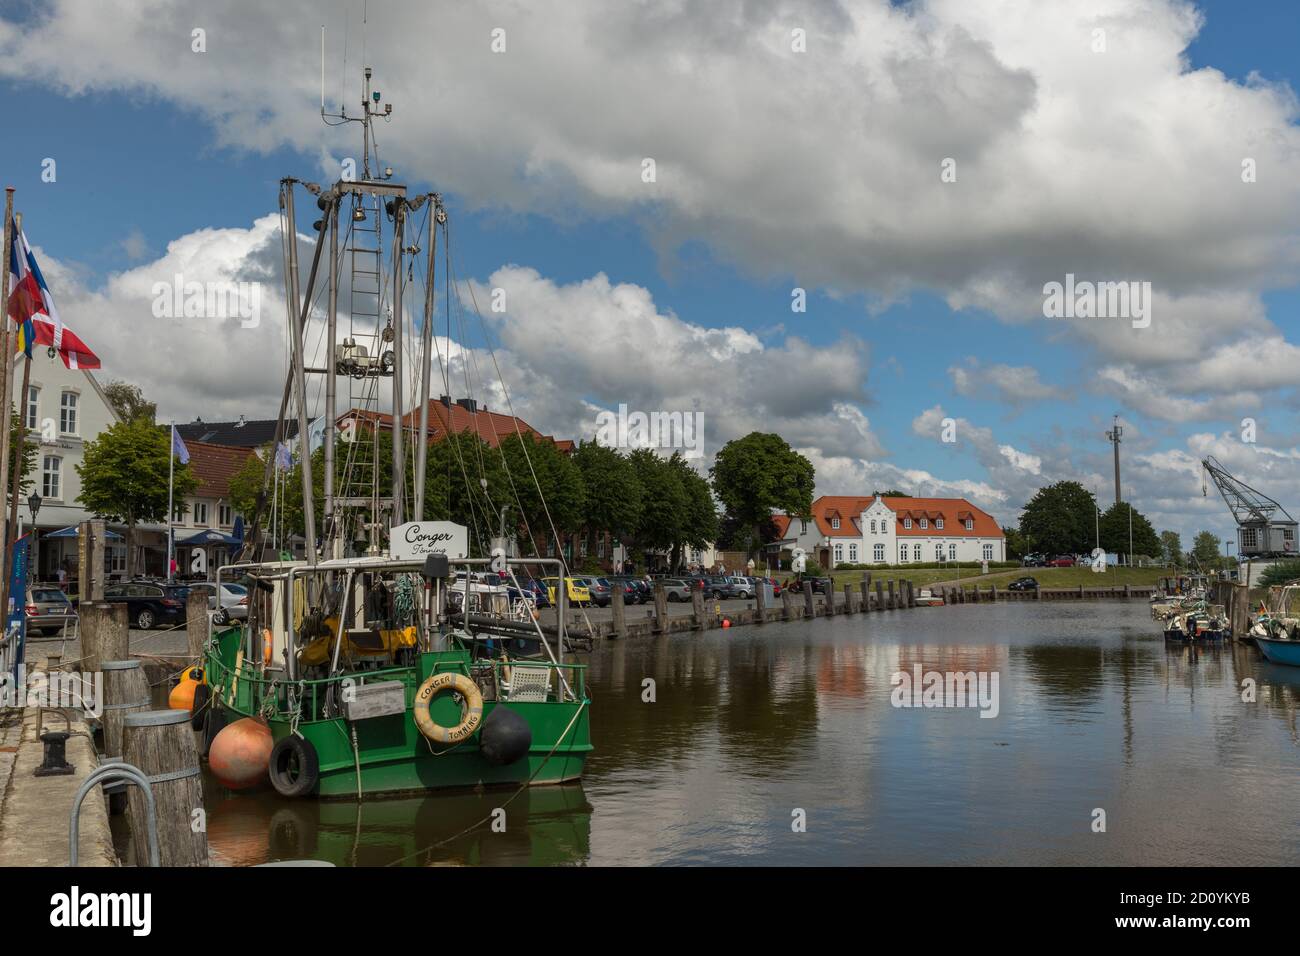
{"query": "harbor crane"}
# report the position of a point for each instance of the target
(1261, 533)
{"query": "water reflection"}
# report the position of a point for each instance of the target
(745, 726)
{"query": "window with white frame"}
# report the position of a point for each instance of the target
(879, 552)
(835, 523)
(68, 413)
(925, 522)
(938, 551)
(582, 548)
(225, 515)
(907, 523)
(178, 511)
(970, 524)
(952, 552)
(988, 552)
(52, 477)
(117, 558)
(33, 408)
(600, 546)
(873, 525)
(916, 552)
(938, 523)
(200, 512)
(839, 553)
(853, 552)
(902, 553)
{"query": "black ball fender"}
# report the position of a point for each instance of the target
(294, 767)
(505, 737)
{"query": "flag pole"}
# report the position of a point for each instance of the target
(171, 473)
(6, 368)
(20, 439)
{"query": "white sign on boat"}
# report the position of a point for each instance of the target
(415, 539)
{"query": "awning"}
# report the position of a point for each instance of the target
(208, 537)
(74, 532)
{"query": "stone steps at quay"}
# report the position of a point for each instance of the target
(34, 810)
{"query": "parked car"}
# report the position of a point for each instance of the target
(1061, 561)
(776, 586)
(1023, 584)
(599, 589)
(540, 593)
(575, 592)
(48, 610)
(149, 604)
(642, 591)
(821, 585)
(677, 589)
(232, 605)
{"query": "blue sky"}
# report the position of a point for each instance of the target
(146, 157)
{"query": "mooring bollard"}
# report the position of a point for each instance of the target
(661, 608)
(616, 609)
(697, 605)
(161, 744)
(787, 600)
(125, 692)
(808, 609)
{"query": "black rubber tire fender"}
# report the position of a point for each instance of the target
(283, 755)
(199, 708)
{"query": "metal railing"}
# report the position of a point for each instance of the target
(115, 771)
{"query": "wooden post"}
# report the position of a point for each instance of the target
(760, 602)
(1080, 592)
(866, 587)
(787, 599)
(125, 692)
(893, 603)
(911, 594)
(1127, 591)
(697, 604)
(661, 608)
(1240, 619)
(196, 623)
(993, 593)
(616, 608)
(97, 535)
(880, 596)
(114, 633)
(808, 609)
(161, 744)
(848, 597)
(1038, 592)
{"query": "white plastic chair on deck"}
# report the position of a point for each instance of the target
(529, 683)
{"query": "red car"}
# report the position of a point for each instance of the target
(1064, 561)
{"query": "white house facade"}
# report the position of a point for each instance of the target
(891, 531)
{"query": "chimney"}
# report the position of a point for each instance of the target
(468, 404)
(445, 400)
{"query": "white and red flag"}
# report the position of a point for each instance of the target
(31, 307)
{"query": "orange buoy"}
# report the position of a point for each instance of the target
(241, 752)
(268, 642)
(182, 695)
(726, 622)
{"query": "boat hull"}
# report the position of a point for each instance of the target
(1279, 652)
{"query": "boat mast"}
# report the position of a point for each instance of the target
(436, 216)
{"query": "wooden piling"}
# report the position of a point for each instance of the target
(809, 610)
(617, 610)
(787, 599)
(196, 623)
(104, 634)
(993, 593)
(126, 691)
(880, 596)
(661, 608)
(760, 602)
(911, 594)
(865, 585)
(893, 603)
(161, 744)
(848, 597)
(697, 605)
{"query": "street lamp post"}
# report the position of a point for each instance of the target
(34, 502)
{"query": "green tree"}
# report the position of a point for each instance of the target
(1171, 548)
(1061, 519)
(1283, 572)
(613, 500)
(124, 477)
(758, 474)
(1016, 545)
(1115, 531)
(699, 524)
(664, 503)
(1205, 550)
(544, 482)
(29, 453)
(129, 401)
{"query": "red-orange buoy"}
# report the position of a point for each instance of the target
(182, 695)
(726, 622)
(241, 752)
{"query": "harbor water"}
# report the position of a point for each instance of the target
(780, 745)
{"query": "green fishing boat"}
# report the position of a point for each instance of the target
(398, 654)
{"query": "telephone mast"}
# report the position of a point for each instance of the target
(1113, 436)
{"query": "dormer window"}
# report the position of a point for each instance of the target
(938, 523)
(925, 522)
(970, 524)
(907, 523)
(835, 523)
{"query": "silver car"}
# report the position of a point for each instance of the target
(675, 589)
(233, 605)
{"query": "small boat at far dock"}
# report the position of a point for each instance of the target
(925, 598)
(1279, 650)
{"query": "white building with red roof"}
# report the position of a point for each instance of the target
(847, 529)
